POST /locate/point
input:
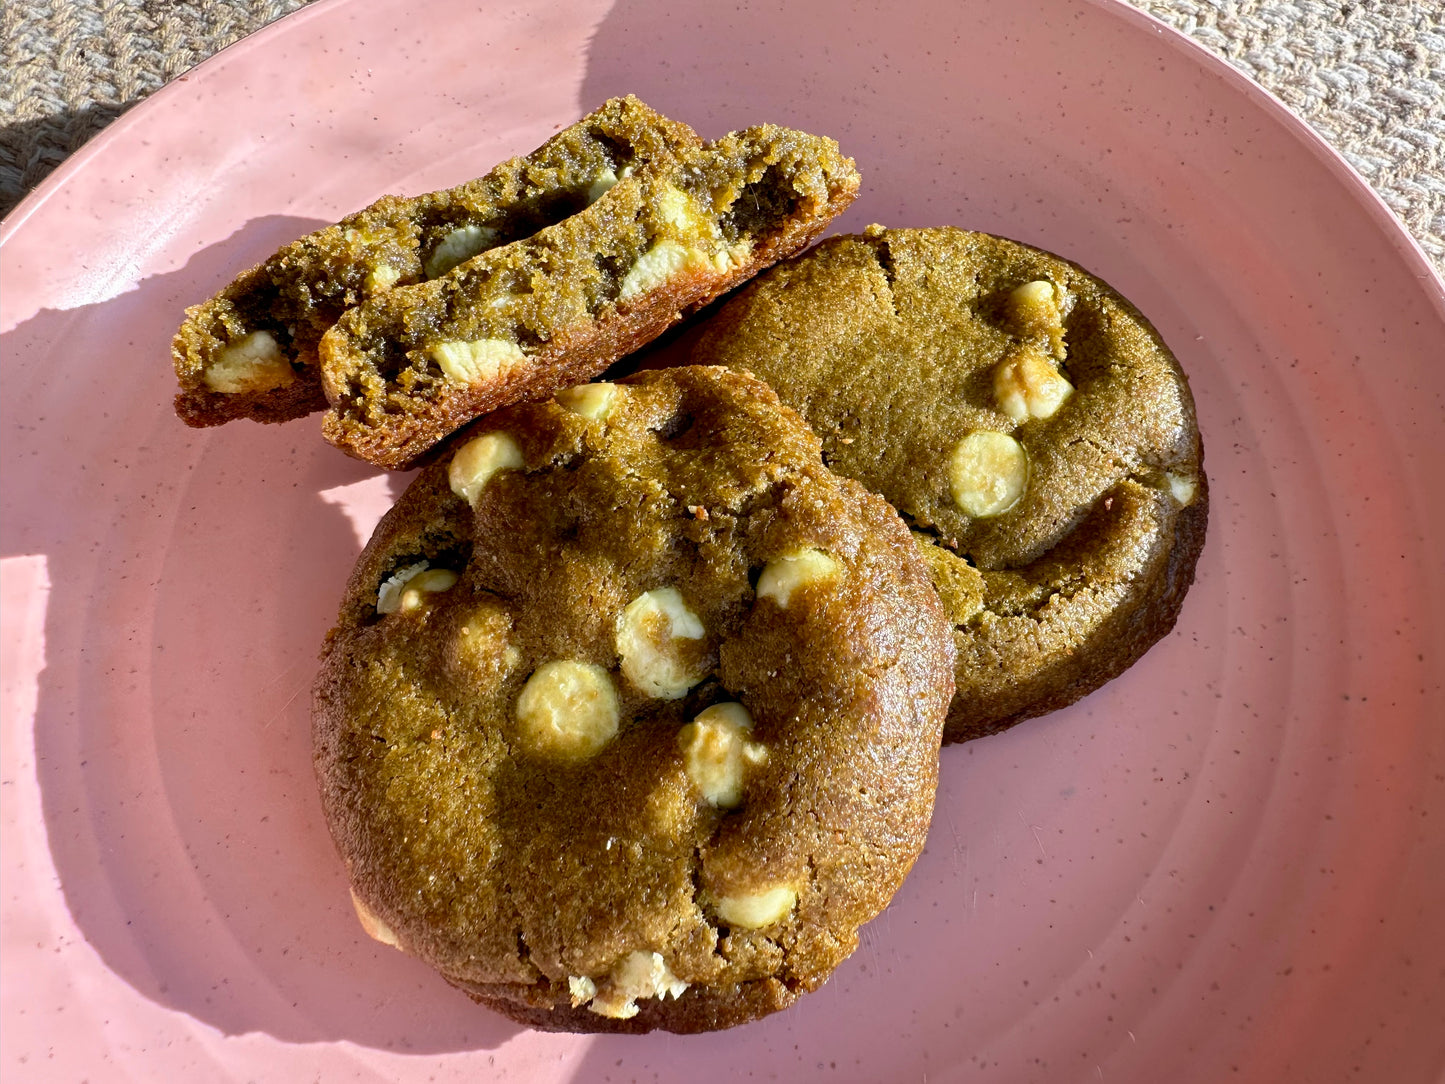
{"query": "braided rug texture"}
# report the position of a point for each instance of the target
(1368, 75)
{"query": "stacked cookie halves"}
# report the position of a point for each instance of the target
(632, 714)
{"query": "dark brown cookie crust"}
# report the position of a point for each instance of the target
(886, 343)
(511, 873)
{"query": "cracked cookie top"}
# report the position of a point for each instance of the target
(632, 714)
(1025, 419)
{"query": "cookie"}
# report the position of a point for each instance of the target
(632, 713)
(1024, 418)
(408, 367)
(250, 351)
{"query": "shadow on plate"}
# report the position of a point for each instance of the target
(192, 578)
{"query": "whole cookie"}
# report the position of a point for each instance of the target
(1024, 418)
(632, 714)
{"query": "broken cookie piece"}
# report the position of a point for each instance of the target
(250, 351)
(410, 366)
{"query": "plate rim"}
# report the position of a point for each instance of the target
(1339, 167)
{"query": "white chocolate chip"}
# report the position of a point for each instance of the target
(460, 245)
(639, 974)
(254, 362)
(476, 461)
(592, 401)
(479, 360)
(696, 245)
(1183, 487)
(716, 751)
(381, 277)
(1027, 385)
(792, 571)
(988, 473)
(403, 590)
(757, 909)
(375, 928)
(567, 709)
(648, 631)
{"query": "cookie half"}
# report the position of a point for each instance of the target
(250, 351)
(1025, 419)
(632, 714)
(409, 367)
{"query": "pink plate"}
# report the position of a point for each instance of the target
(1227, 865)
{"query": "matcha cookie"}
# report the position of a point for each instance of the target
(1024, 418)
(632, 714)
(250, 351)
(406, 368)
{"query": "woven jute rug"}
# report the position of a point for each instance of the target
(1368, 75)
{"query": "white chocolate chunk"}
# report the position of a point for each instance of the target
(639, 974)
(479, 360)
(1027, 385)
(1183, 488)
(716, 752)
(601, 185)
(792, 571)
(988, 473)
(659, 263)
(1036, 312)
(375, 928)
(381, 277)
(646, 974)
(476, 461)
(592, 401)
(757, 909)
(581, 988)
(679, 210)
(1034, 302)
(604, 183)
(647, 634)
(614, 1005)
(403, 590)
(731, 258)
(460, 245)
(254, 362)
(388, 595)
(431, 582)
(567, 709)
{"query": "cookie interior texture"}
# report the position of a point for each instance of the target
(897, 346)
(407, 368)
(251, 351)
(616, 884)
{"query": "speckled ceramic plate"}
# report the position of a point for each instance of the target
(1229, 864)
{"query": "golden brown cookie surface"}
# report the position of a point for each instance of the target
(1023, 417)
(655, 729)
